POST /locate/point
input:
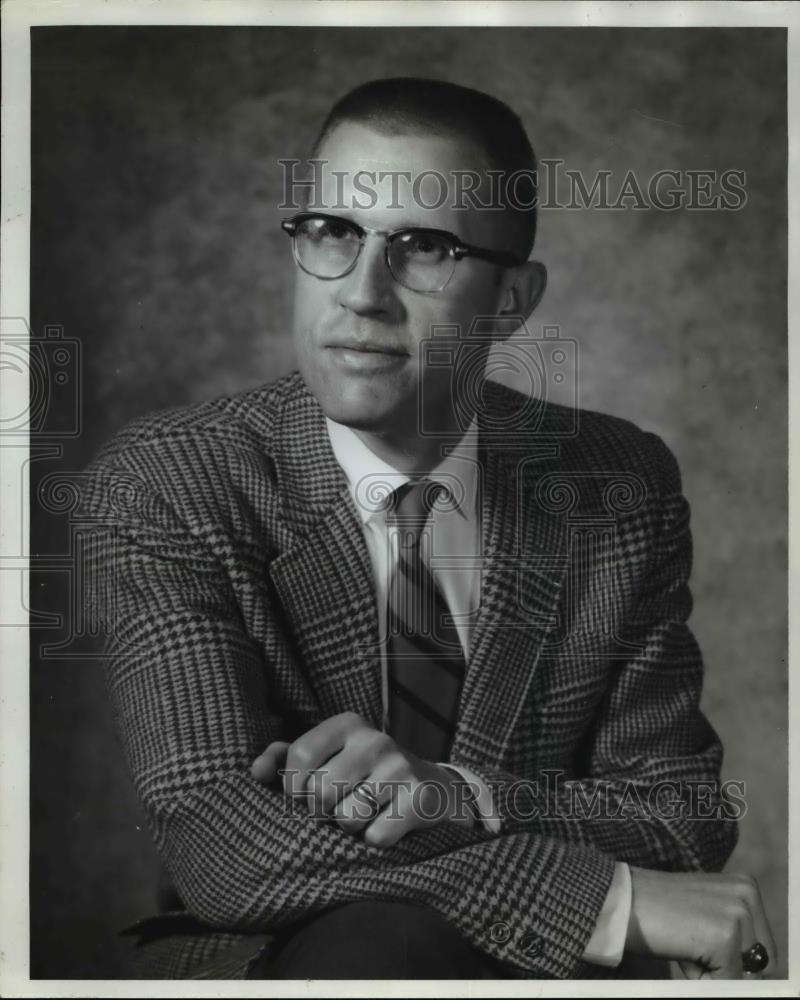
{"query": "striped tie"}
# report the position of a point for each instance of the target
(425, 659)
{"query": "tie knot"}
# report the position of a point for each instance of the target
(411, 504)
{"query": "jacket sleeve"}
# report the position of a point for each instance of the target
(651, 793)
(190, 693)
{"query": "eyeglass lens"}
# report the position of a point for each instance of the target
(422, 261)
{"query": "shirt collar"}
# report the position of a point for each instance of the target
(371, 479)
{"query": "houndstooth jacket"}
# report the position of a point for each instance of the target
(227, 565)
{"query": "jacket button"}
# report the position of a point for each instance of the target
(500, 932)
(529, 944)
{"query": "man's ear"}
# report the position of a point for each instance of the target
(524, 289)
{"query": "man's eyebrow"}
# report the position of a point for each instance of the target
(332, 213)
(329, 213)
(346, 216)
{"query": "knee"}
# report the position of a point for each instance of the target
(379, 940)
(410, 927)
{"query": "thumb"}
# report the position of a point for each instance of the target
(265, 767)
(685, 969)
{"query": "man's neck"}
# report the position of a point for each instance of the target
(419, 456)
(412, 455)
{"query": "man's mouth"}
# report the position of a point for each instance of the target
(367, 355)
(368, 347)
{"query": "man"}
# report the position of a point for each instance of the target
(400, 657)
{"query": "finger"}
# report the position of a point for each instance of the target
(415, 804)
(265, 767)
(761, 927)
(367, 754)
(751, 907)
(359, 808)
(382, 780)
(676, 970)
(314, 748)
(335, 780)
(393, 823)
(686, 970)
(726, 963)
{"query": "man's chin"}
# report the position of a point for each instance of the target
(359, 418)
(365, 407)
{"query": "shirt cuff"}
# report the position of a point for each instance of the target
(607, 943)
(482, 797)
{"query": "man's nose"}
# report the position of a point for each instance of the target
(369, 289)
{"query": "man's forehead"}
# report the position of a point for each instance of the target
(406, 178)
(369, 148)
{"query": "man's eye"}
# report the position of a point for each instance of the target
(426, 245)
(327, 230)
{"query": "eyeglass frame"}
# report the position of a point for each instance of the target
(458, 251)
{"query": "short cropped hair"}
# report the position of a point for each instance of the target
(408, 105)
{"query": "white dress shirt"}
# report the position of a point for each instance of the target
(451, 547)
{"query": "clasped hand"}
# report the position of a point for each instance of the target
(364, 781)
(368, 784)
(703, 921)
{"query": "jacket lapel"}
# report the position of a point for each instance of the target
(525, 554)
(324, 577)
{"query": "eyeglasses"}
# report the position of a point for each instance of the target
(422, 260)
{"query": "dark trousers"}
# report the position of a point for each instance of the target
(374, 940)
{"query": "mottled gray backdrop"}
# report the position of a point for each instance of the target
(155, 244)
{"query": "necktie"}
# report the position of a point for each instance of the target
(425, 661)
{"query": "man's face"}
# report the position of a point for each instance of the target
(358, 336)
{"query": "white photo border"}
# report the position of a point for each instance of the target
(18, 16)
